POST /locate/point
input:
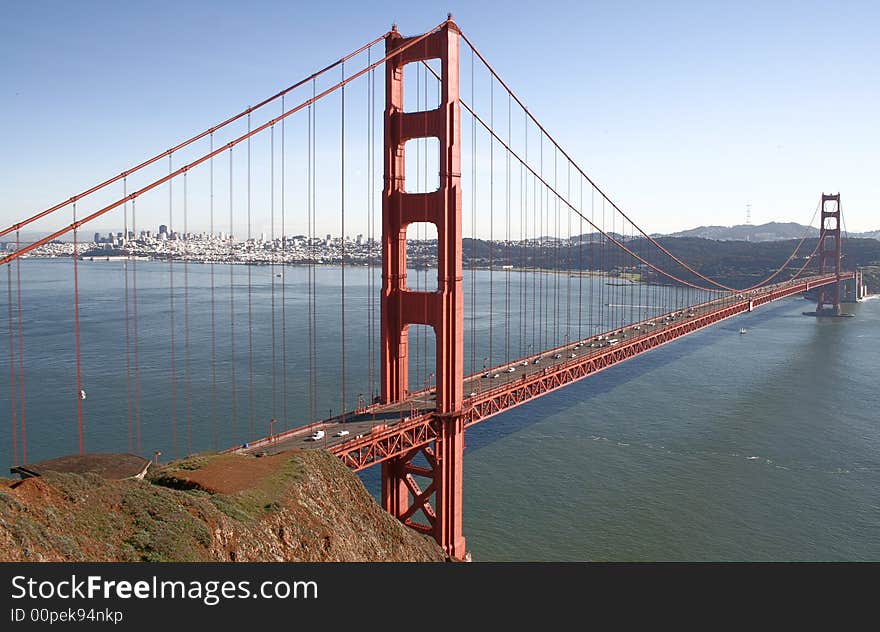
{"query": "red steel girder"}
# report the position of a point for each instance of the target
(421, 500)
(392, 442)
(510, 395)
(417, 432)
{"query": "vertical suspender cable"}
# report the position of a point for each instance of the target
(614, 292)
(638, 246)
(603, 241)
(213, 305)
(472, 263)
(311, 251)
(592, 263)
(630, 279)
(13, 378)
(137, 370)
(127, 246)
(521, 277)
(642, 302)
(314, 339)
(507, 245)
(272, 253)
(556, 314)
(172, 346)
(371, 196)
(529, 247)
(625, 260)
(234, 398)
(423, 228)
(21, 399)
(568, 259)
(249, 249)
(491, 218)
(581, 263)
(342, 227)
(79, 389)
(187, 393)
(424, 267)
(311, 283)
(542, 305)
(439, 180)
(283, 276)
(416, 358)
(542, 230)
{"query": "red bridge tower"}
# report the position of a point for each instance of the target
(829, 253)
(443, 309)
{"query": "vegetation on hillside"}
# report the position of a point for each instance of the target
(294, 506)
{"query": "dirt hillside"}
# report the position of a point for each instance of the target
(294, 506)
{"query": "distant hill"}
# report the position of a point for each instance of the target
(772, 231)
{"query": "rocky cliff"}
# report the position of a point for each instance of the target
(293, 506)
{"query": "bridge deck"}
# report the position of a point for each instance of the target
(382, 431)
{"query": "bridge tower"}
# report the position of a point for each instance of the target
(829, 253)
(442, 309)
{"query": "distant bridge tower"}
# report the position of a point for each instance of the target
(829, 253)
(443, 309)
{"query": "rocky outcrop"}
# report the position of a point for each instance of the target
(294, 506)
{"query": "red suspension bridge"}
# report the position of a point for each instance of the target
(541, 279)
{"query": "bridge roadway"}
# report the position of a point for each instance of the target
(375, 433)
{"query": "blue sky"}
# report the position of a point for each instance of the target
(683, 112)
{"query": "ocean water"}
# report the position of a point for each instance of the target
(720, 446)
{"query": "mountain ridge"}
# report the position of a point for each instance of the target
(771, 231)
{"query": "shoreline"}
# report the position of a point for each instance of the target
(359, 264)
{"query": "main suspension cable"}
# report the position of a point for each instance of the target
(584, 174)
(208, 132)
(315, 97)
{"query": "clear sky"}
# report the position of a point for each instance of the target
(683, 112)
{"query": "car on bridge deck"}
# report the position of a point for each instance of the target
(317, 435)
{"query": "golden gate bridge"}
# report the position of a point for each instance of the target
(453, 163)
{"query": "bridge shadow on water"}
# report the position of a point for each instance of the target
(511, 422)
